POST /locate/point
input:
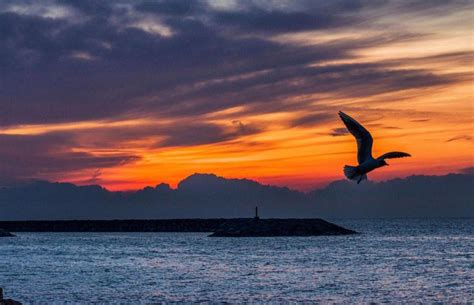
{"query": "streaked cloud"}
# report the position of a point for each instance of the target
(192, 83)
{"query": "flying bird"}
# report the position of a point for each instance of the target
(367, 163)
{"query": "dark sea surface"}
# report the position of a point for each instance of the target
(410, 260)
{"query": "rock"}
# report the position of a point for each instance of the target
(4, 233)
(10, 302)
(278, 227)
(7, 301)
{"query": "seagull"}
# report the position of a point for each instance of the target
(364, 151)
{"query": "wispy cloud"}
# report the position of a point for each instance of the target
(461, 137)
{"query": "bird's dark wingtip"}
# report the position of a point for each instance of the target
(344, 117)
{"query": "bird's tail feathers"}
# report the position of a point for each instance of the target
(352, 173)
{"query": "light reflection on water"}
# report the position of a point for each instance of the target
(392, 261)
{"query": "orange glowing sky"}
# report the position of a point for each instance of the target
(405, 73)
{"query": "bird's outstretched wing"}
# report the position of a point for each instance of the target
(394, 154)
(363, 137)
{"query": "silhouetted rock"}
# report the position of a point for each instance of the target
(4, 233)
(278, 227)
(7, 301)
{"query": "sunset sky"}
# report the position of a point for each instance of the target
(127, 94)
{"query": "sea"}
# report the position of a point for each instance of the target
(390, 261)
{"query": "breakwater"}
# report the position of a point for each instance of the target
(130, 225)
(236, 227)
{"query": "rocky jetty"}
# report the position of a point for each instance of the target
(234, 227)
(7, 301)
(4, 233)
(278, 227)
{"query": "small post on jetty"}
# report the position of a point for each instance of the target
(256, 213)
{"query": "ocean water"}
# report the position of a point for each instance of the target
(409, 260)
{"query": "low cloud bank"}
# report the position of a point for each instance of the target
(210, 196)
